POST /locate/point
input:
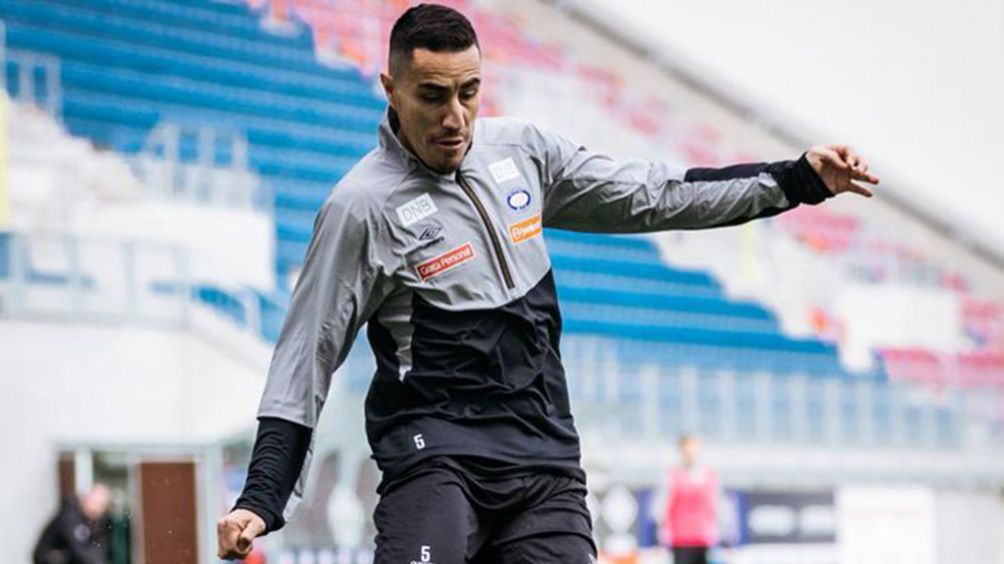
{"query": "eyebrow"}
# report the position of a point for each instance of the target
(434, 86)
(443, 88)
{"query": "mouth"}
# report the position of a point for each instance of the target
(449, 143)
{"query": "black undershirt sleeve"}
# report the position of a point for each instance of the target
(799, 181)
(276, 462)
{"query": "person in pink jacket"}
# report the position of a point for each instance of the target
(689, 523)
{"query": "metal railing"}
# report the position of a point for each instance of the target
(659, 402)
(36, 80)
(200, 164)
(67, 277)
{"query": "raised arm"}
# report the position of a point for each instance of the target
(339, 288)
(588, 191)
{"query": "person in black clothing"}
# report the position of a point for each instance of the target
(434, 241)
(77, 534)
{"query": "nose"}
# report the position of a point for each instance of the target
(453, 120)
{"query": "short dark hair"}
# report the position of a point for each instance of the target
(429, 26)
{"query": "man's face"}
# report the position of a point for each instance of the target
(690, 449)
(436, 97)
(94, 503)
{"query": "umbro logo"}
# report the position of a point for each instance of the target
(430, 233)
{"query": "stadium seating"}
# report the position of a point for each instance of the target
(127, 65)
(4, 256)
(820, 228)
(651, 348)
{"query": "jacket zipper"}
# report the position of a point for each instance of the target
(492, 234)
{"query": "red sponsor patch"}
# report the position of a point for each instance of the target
(445, 261)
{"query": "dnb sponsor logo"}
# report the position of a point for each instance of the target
(526, 229)
(416, 209)
(504, 170)
(446, 261)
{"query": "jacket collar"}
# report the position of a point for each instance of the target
(391, 145)
(388, 138)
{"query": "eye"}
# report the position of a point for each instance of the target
(469, 92)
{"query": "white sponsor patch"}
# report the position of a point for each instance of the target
(503, 170)
(419, 208)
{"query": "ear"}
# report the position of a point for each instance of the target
(388, 87)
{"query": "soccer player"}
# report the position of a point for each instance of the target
(434, 240)
(690, 520)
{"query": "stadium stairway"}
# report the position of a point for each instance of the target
(127, 65)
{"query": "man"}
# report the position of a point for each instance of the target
(690, 520)
(76, 535)
(434, 240)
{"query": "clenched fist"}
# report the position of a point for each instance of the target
(235, 531)
(839, 167)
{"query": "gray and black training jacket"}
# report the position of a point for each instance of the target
(452, 276)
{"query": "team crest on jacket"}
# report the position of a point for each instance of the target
(446, 261)
(518, 199)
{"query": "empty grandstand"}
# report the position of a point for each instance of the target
(165, 162)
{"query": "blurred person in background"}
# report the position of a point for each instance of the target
(434, 240)
(690, 520)
(78, 532)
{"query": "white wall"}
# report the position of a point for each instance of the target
(943, 526)
(883, 524)
(916, 85)
(970, 527)
(59, 183)
(236, 246)
(74, 383)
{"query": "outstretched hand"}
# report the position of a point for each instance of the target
(235, 531)
(841, 169)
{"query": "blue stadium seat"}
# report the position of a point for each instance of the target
(5, 255)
